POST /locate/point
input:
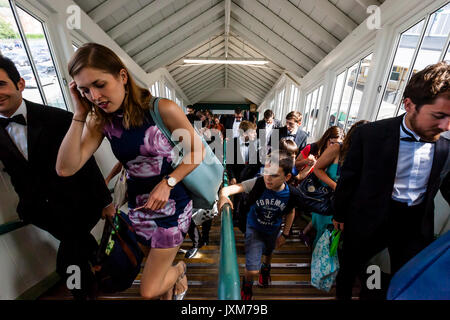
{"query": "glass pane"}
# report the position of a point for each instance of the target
(316, 111)
(346, 95)
(311, 112)
(12, 47)
(403, 57)
(447, 55)
(434, 39)
(336, 98)
(42, 59)
(359, 89)
(306, 113)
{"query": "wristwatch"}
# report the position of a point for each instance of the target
(171, 181)
(285, 236)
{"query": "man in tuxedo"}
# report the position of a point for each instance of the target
(391, 174)
(68, 208)
(268, 124)
(191, 114)
(232, 123)
(292, 129)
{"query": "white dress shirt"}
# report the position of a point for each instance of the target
(18, 132)
(236, 128)
(413, 168)
(269, 129)
(244, 149)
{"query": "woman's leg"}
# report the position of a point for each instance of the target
(160, 276)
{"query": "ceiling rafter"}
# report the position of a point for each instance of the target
(246, 94)
(242, 86)
(290, 34)
(200, 75)
(336, 15)
(105, 9)
(244, 82)
(180, 49)
(160, 46)
(268, 50)
(248, 77)
(165, 24)
(211, 82)
(204, 79)
(288, 49)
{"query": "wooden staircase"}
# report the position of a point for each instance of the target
(290, 272)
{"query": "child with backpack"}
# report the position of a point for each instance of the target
(270, 198)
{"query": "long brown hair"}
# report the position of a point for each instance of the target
(333, 132)
(348, 140)
(137, 99)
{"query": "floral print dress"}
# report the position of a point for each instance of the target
(146, 154)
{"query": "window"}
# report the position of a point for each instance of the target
(416, 49)
(311, 113)
(293, 101)
(154, 89)
(348, 91)
(27, 46)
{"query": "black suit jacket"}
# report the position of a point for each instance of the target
(53, 203)
(300, 137)
(262, 124)
(236, 167)
(365, 186)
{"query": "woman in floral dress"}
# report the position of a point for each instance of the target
(109, 104)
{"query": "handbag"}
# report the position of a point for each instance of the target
(118, 259)
(316, 197)
(204, 181)
(324, 265)
(120, 190)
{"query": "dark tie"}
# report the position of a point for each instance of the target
(246, 144)
(20, 119)
(410, 137)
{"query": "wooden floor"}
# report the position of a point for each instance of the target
(290, 272)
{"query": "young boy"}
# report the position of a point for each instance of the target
(271, 198)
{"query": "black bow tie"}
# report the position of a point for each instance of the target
(20, 119)
(410, 137)
(247, 144)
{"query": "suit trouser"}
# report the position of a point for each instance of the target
(194, 233)
(401, 234)
(77, 245)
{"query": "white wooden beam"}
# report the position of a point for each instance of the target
(200, 75)
(213, 81)
(206, 93)
(160, 46)
(105, 9)
(138, 17)
(205, 79)
(268, 50)
(295, 14)
(243, 74)
(257, 76)
(202, 50)
(251, 85)
(165, 24)
(217, 51)
(285, 31)
(336, 15)
(180, 49)
(236, 87)
(273, 39)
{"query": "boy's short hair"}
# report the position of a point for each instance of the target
(428, 84)
(282, 160)
(247, 125)
(10, 68)
(268, 114)
(295, 115)
(237, 111)
(289, 146)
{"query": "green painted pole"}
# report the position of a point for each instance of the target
(229, 283)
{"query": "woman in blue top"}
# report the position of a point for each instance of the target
(108, 103)
(327, 170)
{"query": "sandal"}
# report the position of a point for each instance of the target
(181, 295)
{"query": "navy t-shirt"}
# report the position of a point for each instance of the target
(266, 214)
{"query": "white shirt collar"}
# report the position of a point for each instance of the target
(21, 110)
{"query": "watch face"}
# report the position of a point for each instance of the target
(171, 182)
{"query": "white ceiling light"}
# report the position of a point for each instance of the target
(225, 61)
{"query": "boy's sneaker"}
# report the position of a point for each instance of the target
(264, 276)
(246, 291)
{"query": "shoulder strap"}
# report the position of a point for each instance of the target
(257, 191)
(154, 112)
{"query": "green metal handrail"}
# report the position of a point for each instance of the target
(229, 284)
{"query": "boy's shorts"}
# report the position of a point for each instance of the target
(256, 245)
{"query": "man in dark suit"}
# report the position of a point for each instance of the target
(267, 124)
(68, 208)
(233, 122)
(292, 129)
(391, 174)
